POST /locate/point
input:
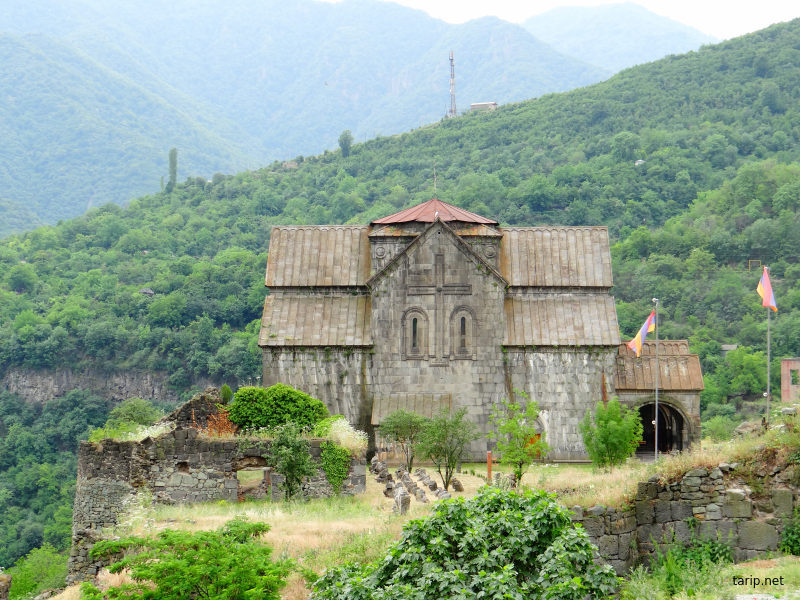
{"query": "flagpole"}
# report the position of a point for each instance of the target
(769, 356)
(655, 300)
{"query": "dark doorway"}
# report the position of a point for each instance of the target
(670, 429)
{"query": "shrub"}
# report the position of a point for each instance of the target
(346, 436)
(226, 393)
(336, 464)
(323, 428)
(42, 568)
(289, 455)
(255, 407)
(229, 563)
(444, 439)
(404, 428)
(790, 540)
(613, 436)
(719, 428)
(498, 544)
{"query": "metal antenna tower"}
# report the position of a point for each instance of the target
(452, 112)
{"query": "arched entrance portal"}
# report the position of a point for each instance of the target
(671, 429)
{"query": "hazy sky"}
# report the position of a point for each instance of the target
(721, 18)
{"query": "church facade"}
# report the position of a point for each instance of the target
(437, 308)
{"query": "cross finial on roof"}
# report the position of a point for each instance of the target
(434, 179)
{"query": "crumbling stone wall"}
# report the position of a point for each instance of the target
(704, 503)
(180, 466)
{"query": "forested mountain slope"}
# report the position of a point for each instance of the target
(718, 132)
(614, 36)
(99, 92)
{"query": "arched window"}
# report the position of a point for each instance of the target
(462, 333)
(415, 334)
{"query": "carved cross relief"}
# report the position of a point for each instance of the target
(440, 288)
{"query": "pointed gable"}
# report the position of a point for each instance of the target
(429, 211)
(420, 239)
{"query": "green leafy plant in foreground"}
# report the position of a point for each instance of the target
(499, 544)
(227, 564)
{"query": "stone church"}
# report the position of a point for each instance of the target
(435, 307)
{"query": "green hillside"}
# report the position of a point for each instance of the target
(76, 135)
(614, 36)
(99, 92)
(718, 131)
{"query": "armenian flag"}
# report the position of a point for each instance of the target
(649, 325)
(764, 290)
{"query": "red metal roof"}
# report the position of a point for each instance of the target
(429, 211)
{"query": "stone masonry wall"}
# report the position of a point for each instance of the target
(565, 383)
(705, 504)
(437, 283)
(181, 466)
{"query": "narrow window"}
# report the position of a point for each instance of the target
(795, 377)
(414, 339)
(463, 334)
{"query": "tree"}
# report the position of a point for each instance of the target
(135, 411)
(290, 457)
(173, 170)
(613, 436)
(404, 428)
(518, 440)
(346, 142)
(444, 439)
(229, 563)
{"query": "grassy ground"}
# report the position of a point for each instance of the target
(322, 533)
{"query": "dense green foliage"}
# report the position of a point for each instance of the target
(227, 564)
(790, 537)
(335, 462)
(496, 545)
(289, 455)
(613, 435)
(444, 439)
(515, 429)
(256, 408)
(41, 569)
(38, 464)
(100, 92)
(404, 428)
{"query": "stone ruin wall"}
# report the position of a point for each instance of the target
(181, 466)
(703, 504)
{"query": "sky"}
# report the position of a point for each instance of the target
(722, 19)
